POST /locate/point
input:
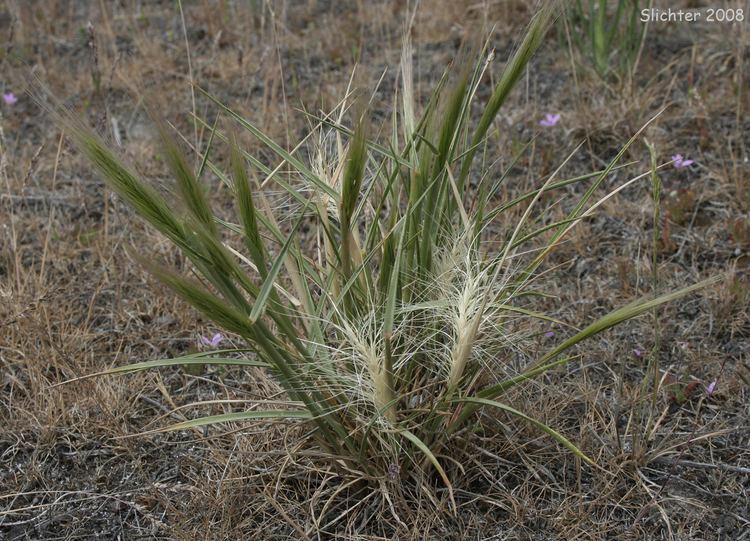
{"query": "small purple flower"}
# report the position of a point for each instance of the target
(680, 162)
(638, 353)
(10, 98)
(549, 334)
(213, 342)
(711, 388)
(549, 120)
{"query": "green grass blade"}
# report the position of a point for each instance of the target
(270, 143)
(550, 187)
(503, 386)
(392, 291)
(562, 440)
(623, 314)
(390, 309)
(239, 416)
(177, 361)
(270, 279)
(209, 146)
(431, 457)
(510, 75)
(541, 230)
(192, 359)
(246, 207)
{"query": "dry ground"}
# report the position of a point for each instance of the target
(73, 302)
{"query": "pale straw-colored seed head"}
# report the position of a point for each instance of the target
(361, 347)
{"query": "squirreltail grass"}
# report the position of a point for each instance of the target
(393, 325)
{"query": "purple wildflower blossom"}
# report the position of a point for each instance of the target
(213, 342)
(680, 162)
(549, 120)
(10, 98)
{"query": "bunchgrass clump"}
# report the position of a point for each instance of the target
(393, 325)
